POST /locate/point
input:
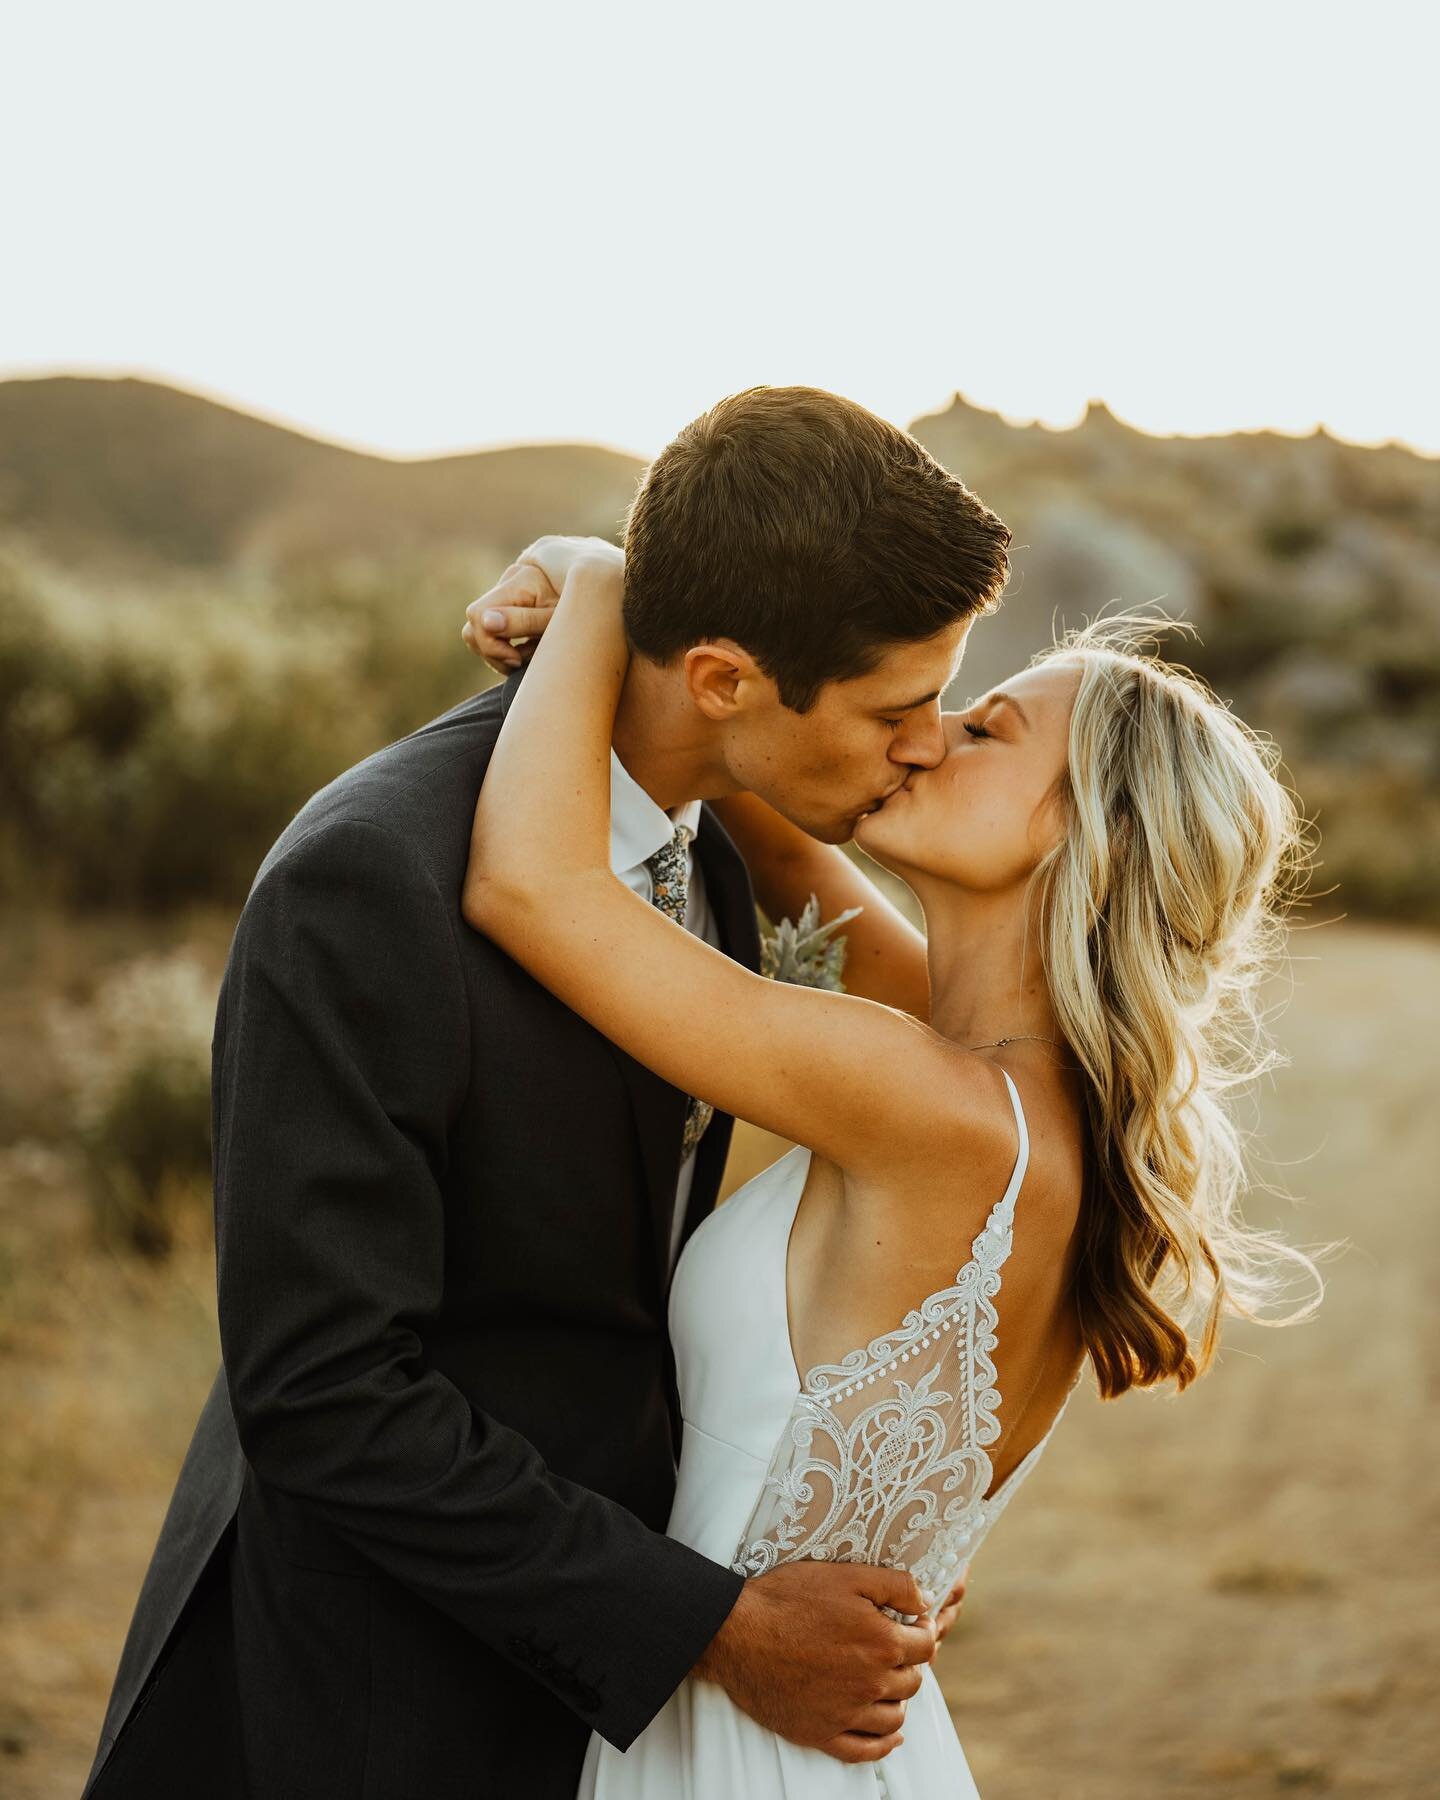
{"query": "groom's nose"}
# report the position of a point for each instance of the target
(920, 742)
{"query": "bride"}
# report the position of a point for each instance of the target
(1101, 857)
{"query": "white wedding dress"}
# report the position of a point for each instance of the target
(880, 1458)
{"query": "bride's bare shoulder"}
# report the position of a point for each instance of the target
(975, 1141)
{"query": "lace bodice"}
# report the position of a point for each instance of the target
(884, 1458)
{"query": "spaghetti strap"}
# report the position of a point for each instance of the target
(1022, 1158)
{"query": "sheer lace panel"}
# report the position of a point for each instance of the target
(884, 1457)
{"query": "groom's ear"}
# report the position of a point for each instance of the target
(724, 679)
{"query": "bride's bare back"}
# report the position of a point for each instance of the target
(892, 1452)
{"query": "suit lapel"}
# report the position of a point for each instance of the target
(727, 885)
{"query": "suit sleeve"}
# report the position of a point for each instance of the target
(341, 1056)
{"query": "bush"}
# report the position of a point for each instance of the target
(138, 1060)
(152, 748)
(1288, 535)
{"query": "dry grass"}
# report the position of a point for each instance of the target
(1233, 1590)
(1228, 1592)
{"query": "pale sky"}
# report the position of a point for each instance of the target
(437, 226)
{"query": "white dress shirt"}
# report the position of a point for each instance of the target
(638, 828)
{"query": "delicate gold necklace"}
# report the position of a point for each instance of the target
(1023, 1037)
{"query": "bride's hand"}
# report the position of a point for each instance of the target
(556, 556)
(504, 624)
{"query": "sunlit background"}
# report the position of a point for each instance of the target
(452, 225)
(252, 257)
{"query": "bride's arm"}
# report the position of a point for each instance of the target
(884, 953)
(861, 1083)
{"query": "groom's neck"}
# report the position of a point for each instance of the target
(664, 741)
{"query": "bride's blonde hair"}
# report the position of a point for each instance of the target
(1159, 915)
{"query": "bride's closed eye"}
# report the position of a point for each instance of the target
(976, 731)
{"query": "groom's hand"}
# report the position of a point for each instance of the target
(950, 1611)
(807, 1652)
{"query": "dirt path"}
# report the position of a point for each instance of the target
(1227, 1592)
(1234, 1590)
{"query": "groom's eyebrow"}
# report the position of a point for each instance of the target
(910, 705)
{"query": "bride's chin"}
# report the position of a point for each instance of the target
(872, 836)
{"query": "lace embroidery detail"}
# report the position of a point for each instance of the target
(884, 1458)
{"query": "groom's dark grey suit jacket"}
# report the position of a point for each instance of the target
(415, 1550)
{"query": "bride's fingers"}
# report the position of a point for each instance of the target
(521, 596)
(522, 584)
(511, 622)
(494, 651)
(524, 589)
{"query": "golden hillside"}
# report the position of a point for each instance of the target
(130, 476)
(270, 607)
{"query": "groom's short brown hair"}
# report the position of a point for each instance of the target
(810, 531)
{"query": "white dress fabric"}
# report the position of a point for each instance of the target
(880, 1458)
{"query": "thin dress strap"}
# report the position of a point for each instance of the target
(1022, 1159)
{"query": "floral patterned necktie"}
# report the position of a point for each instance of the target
(670, 884)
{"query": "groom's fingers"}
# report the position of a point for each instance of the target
(950, 1611)
(880, 1718)
(859, 1747)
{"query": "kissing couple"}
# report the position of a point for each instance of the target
(528, 1471)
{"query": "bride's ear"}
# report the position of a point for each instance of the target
(722, 678)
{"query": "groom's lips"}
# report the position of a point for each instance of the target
(877, 803)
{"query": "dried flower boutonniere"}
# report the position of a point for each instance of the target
(807, 953)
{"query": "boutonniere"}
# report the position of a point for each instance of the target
(806, 953)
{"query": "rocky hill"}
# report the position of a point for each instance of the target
(1310, 567)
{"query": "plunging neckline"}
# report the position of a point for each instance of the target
(802, 1382)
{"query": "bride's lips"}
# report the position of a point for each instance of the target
(883, 800)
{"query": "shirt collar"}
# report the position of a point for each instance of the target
(638, 827)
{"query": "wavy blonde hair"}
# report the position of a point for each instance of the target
(1159, 915)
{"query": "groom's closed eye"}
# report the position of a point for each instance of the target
(895, 715)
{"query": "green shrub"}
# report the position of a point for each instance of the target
(138, 1061)
(152, 748)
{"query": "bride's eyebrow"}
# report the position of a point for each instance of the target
(1002, 699)
(1014, 705)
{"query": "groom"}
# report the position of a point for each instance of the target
(416, 1549)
